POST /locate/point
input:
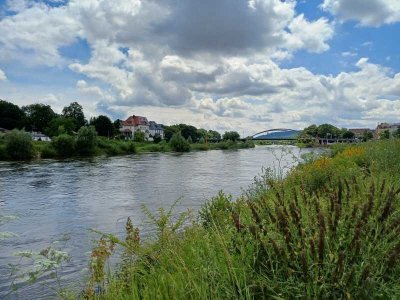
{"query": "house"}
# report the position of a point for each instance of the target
(135, 123)
(38, 136)
(156, 129)
(392, 127)
(359, 132)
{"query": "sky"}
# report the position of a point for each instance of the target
(245, 65)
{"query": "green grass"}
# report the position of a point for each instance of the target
(330, 229)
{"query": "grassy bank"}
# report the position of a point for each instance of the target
(330, 229)
(107, 147)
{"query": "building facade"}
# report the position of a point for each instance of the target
(133, 124)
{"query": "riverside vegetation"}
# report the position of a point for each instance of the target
(18, 145)
(329, 230)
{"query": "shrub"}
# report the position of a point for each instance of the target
(19, 145)
(3, 152)
(64, 145)
(138, 136)
(128, 147)
(178, 143)
(48, 151)
(86, 141)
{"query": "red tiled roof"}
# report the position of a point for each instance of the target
(135, 120)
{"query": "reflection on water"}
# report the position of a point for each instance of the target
(55, 198)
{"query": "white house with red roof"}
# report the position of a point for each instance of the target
(133, 124)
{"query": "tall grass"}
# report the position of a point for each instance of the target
(330, 229)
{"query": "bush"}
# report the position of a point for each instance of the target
(128, 147)
(19, 145)
(64, 145)
(138, 136)
(178, 143)
(3, 152)
(48, 151)
(86, 141)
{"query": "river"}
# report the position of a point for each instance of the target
(57, 202)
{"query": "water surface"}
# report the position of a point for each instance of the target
(57, 199)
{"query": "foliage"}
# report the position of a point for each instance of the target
(385, 134)
(328, 130)
(299, 237)
(157, 138)
(19, 145)
(231, 136)
(396, 134)
(169, 131)
(347, 134)
(64, 145)
(367, 135)
(75, 111)
(38, 116)
(117, 126)
(48, 151)
(311, 130)
(60, 125)
(139, 136)
(11, 116)
(214, 135)
(178, 143)
(189, 139)
(103, 126)
(86, 141)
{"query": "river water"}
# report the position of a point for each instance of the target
(57, 202)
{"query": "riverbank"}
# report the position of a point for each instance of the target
(331, 227)
(113, 147)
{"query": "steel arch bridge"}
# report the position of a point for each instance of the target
(276, 134)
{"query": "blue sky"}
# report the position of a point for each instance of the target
(246, 65)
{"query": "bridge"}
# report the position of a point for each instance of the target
(277, 134)
(285, 134)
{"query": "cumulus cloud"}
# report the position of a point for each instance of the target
(209, 63)
(367, 13)
(2, 75)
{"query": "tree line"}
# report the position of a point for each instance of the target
(42, 118)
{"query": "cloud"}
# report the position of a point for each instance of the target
(209, 63)
(36, 32)
(2, 75)
(312, 36)
(367, 13)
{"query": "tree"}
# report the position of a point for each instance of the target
(385, 135)
(189, 130)
(311, 130)
(60, 125)
(117, 126)
(367, 135)
(157, 138)
(103, 126)
(231, 135)
(38, 116)
(348, 134)
(396, 134)
(19, 145)
(64, 144)
(138, 136)
(11, 116)
(178, 143)
(189, 139)
(75, 111)
(326, 130)
(86, 141)
(213, 135)
(169, 131)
